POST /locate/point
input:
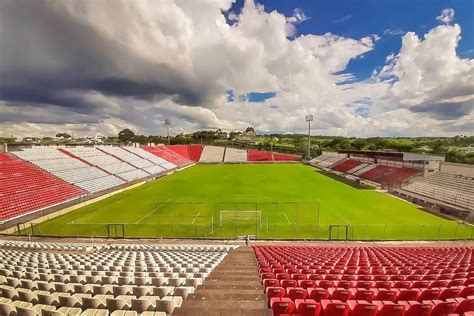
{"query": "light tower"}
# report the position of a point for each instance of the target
(168, 124)
(309, 119)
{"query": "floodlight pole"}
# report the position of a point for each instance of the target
(309, 118)
(168, 123)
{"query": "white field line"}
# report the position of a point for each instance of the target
(333, 211)
(151, 212)
(195, 218)
(287, 219)
(340, 216)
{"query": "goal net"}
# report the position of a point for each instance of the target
(243, 217)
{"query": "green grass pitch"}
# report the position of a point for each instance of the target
(266, 200)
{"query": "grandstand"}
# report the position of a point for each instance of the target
(256, 155)
(235, 155)
(385, 168)
(172, 159)
(106, 162)
(157, 160)
(367, 281)
(159, 279)
(454, 190)
(195, 152)
(327, 159)
(97, 279)
(72, 170)
(417, 178)
(26, 188)
(182, 150)
(212, 154)
(66, 174)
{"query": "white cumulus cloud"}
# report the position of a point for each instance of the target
(447, 16)
(89, 67)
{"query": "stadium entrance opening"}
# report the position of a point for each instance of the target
(338, 232)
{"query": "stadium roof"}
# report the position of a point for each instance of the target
(420, 157)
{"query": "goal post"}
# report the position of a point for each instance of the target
(227, 216)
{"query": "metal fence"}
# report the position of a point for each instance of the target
(264, 220)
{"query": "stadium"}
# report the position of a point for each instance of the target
(236, 158)
(176, 194)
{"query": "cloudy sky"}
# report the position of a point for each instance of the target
(362, 68)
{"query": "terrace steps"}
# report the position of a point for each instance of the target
(233, 288)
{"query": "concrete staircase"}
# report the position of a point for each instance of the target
(233, 289)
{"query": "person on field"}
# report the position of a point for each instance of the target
(247, 240)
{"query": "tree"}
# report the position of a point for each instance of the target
(141, 139)
(250, 129)
(126, 135)
(359, 143)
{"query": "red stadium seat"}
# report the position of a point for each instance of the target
(283, 276)
(362, 294)
(288, 283)
(267, 275)
(467, 291)
(402, 285)
(282, 305)
(429, 294)
(271, 283)
(318, 294)
(325, 284)
(408, 295)
(255, 155)
(307, 307)
(307, 284)
(296, 293)
(413, 308)
(385, 295)
(411, 272)
(362, 308)
(334, 308)
(275, 292)
(339, 294)
(345, 284)
(449, 293)
(25, 188)
(440, 308)
(465, 306)
(365, 284)
(387, 308)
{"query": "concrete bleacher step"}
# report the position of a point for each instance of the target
(233, 288)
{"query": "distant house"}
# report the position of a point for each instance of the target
(469, 149)
(222, 135)
(249, 133)
(425, 148)
(30, 140)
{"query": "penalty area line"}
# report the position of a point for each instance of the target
(149, 213)
(192, 223)
(287, 219)
(340, 216)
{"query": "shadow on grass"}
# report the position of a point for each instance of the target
(343, 180)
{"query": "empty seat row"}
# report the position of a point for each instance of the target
(309, 307)
(367, 280)
(40, 278)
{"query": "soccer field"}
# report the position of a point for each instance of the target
(266, 200)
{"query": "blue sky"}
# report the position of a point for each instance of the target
(357, 19)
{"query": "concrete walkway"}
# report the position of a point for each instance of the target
(233, 289)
